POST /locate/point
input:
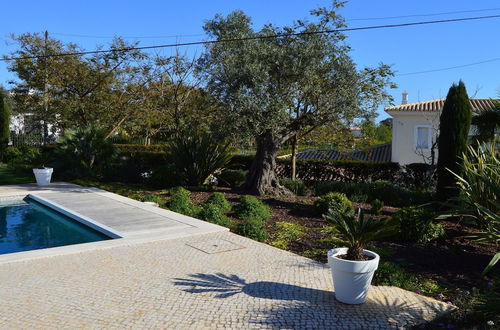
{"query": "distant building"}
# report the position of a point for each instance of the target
(415, 127)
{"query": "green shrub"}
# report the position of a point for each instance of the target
(197, 154)
(359, 198)
(252, 208)
(389, 193)
(233, 178)
(337, 202)
(211, 212)
(393, 275)
(133, 148)
(417, 224)
(29, 158)
(289, 231)
(84, 152)
(220, 201)
(377, 206)
(12, 154)
(154, 198)
(253, 228)
(280, 244)
(316, 254)
(164, 177)
(385, 191)
(298, 187)
(4, 122)
(181, 203)
(254, 214)
(348, 188)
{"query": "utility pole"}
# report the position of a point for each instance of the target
(45, 91)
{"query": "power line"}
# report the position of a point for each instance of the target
(126, 37)
(347, 20)
(450, 68)
(422, 15)
(279, 35)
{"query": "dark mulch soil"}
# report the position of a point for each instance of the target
(454, 259)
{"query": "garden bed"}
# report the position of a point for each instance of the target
(448, 269)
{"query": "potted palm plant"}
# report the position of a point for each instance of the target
(43, 174)
(353, 267)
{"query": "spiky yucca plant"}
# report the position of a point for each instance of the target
(479, 186)
(197, 155)
(358, 230)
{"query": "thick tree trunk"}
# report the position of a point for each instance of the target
(262, 179)
(293, 158)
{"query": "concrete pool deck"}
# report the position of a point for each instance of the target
(189, 280)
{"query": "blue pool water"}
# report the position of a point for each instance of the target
(27, 225)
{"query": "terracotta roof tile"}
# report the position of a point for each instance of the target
(437, 105)
(378, 153)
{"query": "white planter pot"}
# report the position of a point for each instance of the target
(43, 175)
(352, 279)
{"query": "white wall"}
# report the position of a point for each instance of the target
(403, 135)
(16, 124)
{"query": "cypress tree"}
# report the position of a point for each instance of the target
(454, 125)
(4, 123)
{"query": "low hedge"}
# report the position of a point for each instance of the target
(132, 148)
(385, 191)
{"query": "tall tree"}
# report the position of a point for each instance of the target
(75, 90)
(4, 122)
(454, 125)
(271, 88)
(172, 99)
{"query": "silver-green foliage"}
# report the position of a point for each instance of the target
(272, 88)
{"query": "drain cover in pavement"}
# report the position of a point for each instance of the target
(215, 246)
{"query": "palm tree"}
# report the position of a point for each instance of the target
(486, 123)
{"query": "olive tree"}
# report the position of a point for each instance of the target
(271, 88)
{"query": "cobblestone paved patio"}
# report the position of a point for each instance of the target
(217, 280)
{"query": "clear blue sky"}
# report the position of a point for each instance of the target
(408, 49)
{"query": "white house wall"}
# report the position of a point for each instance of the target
(16, 124)
(403, 135)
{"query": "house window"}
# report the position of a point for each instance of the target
(423, 138)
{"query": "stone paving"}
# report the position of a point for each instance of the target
(215, 280)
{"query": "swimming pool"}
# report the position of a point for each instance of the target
(28, 225)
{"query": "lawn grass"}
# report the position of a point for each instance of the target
(10, 177)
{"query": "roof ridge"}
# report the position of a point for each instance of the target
(437, 104)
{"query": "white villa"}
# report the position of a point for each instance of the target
(415, 127)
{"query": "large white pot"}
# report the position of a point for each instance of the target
(43, 175)
(352, 279)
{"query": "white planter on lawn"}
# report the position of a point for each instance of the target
(43, 175)
(352, 279)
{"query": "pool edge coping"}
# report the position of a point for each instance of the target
(196, 227)
(103, 229)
